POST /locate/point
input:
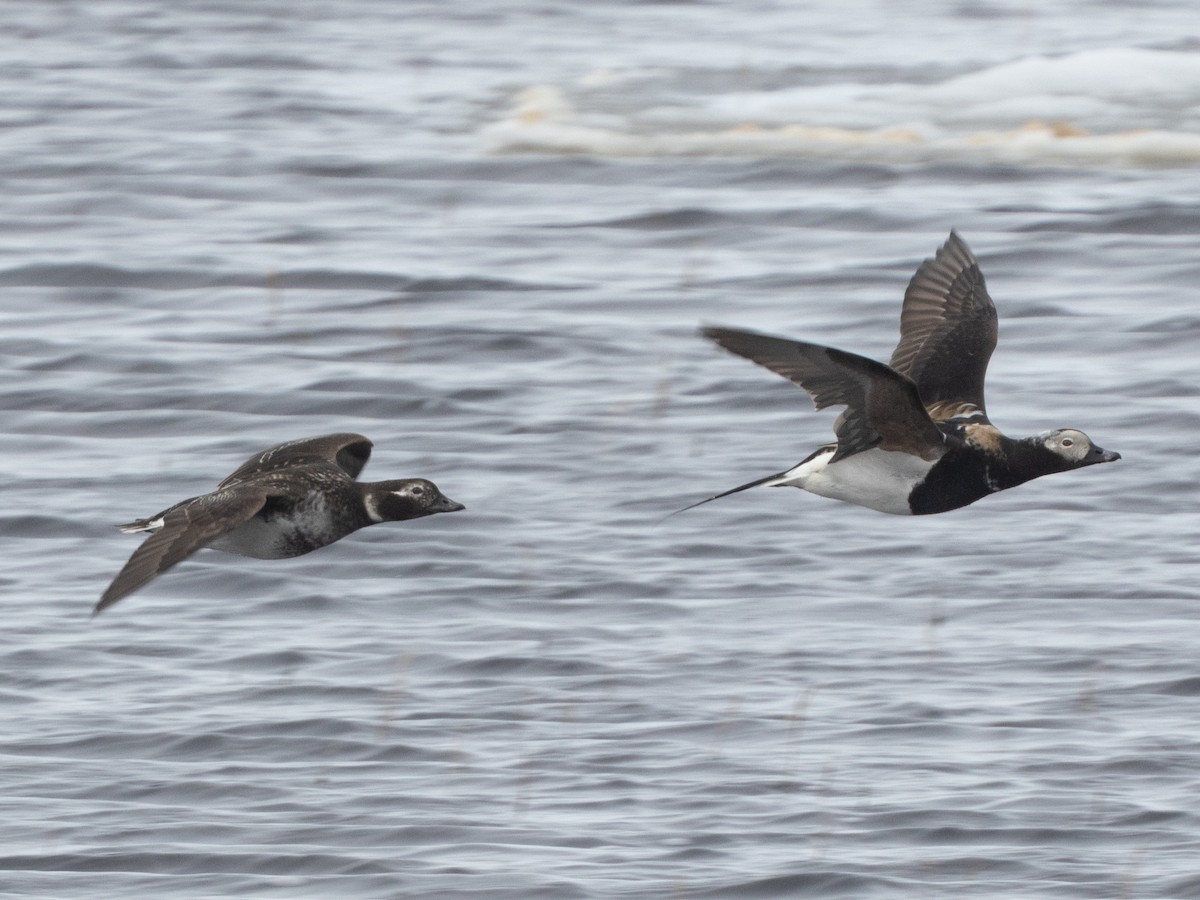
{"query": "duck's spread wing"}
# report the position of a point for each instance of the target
(185, 530)
(883, 408)
(349, 452)
(947, 333)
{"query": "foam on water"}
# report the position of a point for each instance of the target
(1123, 106)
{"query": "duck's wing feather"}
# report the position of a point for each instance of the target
(947, 333)
(349, 452)
(186, 529)
(883, 407)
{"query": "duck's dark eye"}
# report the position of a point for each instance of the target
(1067, 442)
(417, 490)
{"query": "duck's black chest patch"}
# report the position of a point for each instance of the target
(958, 479)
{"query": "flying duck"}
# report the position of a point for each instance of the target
(286, 501)
(914, 438)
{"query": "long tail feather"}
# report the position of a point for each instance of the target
(769, 481)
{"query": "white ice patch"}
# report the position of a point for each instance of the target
(1125, 106)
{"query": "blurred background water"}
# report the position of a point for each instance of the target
(484, 235)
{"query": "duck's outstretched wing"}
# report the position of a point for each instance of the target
(883, 407)
(185, 529)
(349, 452)
(947, 333)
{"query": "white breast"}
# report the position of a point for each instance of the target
(876, 479)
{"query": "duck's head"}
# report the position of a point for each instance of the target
(1075, 448)
(406, 498)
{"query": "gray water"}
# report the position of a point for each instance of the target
(485, 238)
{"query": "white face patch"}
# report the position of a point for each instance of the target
(1068, 443)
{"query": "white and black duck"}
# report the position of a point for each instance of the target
(914, 438)
(286, 501)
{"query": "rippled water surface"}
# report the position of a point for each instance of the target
(485, 237)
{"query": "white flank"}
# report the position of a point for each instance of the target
(876, 479)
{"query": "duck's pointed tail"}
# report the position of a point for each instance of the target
(770, 481)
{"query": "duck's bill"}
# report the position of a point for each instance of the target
(447, 505)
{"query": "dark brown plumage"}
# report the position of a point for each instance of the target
(288, 500)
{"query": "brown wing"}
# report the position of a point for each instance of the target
(947, 332)
(883, 408)
(185, 530)
(349, 452)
